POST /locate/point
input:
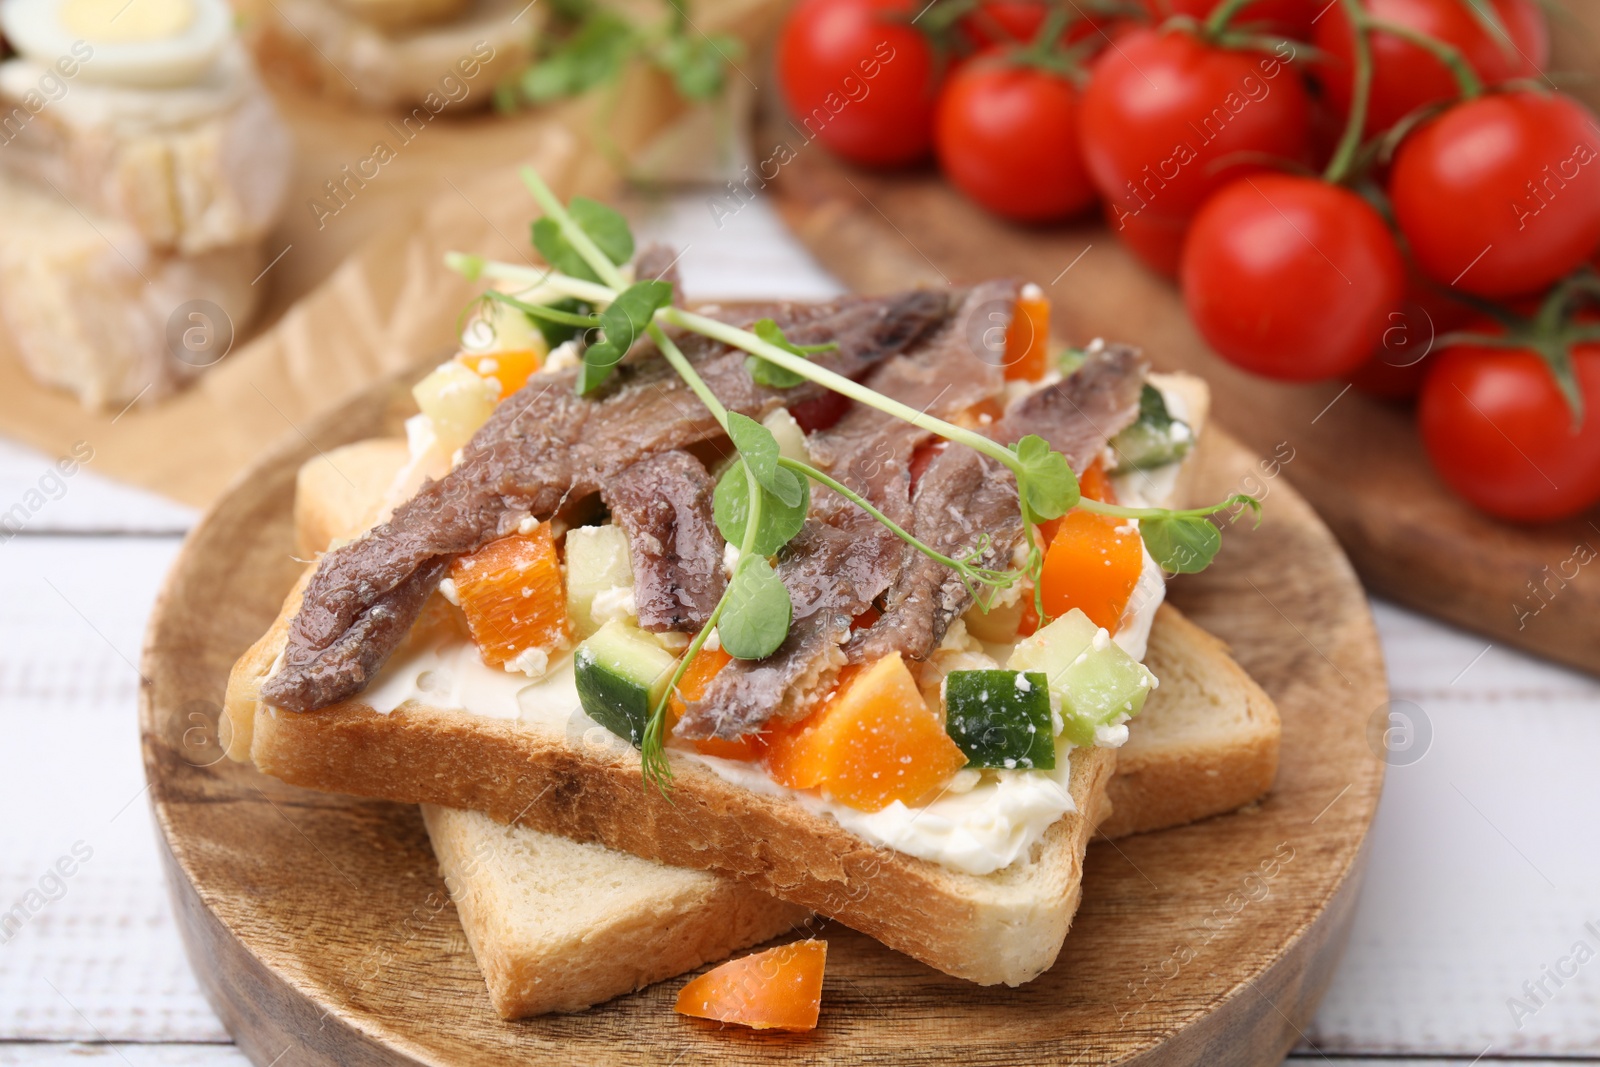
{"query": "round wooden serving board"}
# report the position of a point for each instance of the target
(1357, 460)
(322, 933)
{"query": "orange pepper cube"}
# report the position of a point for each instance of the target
(779, 989)
(1093, 564)
(692, 686)
(510, 592)
(874, 742)
(1028, 337)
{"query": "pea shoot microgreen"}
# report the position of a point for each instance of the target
(761, 500)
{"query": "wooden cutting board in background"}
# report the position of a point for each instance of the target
(1359, 462)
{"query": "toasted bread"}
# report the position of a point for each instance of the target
(558, 925)
(1205, 743)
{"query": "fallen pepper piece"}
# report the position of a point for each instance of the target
(778, 989)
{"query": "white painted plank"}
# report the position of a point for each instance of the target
(90, 950)
(1483, 870)
(53, 494)
(76, 1054)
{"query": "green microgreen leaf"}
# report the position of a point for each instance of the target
(607, 229)
(623, 320)
(757, 612)
(1181, 544)
(1045, 483)
(765, 372)
(778, 523)
(760, 450)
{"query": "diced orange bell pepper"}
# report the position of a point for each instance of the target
(1094, 484)
(511, 369)
(510, 591)
(1093, 563)
(778, 989)
(875, 741)
(692, 686)
(1028, 337)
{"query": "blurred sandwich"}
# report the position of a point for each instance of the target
(144, 163)
(386, 54)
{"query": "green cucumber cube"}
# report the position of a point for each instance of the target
(1000, 719)
(1096, 682)
(621, 674)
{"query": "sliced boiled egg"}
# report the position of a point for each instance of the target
(151, 43)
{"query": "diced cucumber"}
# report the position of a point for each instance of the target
(622, 672)
(1000, 718)
(1095, 680)
(1155, 438)
(597, 560)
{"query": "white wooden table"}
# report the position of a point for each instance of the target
(1484, 870)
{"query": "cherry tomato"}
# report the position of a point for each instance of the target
(1291, 277)
(1289, 18)
(1406, 76)
(857, 76)
(1007, 136)
(1500, 433)
(1501, 195)
(1168, 119)
(1155, 240)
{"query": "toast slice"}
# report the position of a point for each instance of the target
(558, 925)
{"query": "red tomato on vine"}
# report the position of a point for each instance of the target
(1500, 196)
(1007, 136)
(1500, 433)
(1168, 119)
(1406, 75)
(1290, 277)
(860, 78)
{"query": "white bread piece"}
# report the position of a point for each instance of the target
(338, 494)
(335, 51)
(87, 304)
(1205, 743)
(190, 169)
(559, 925)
